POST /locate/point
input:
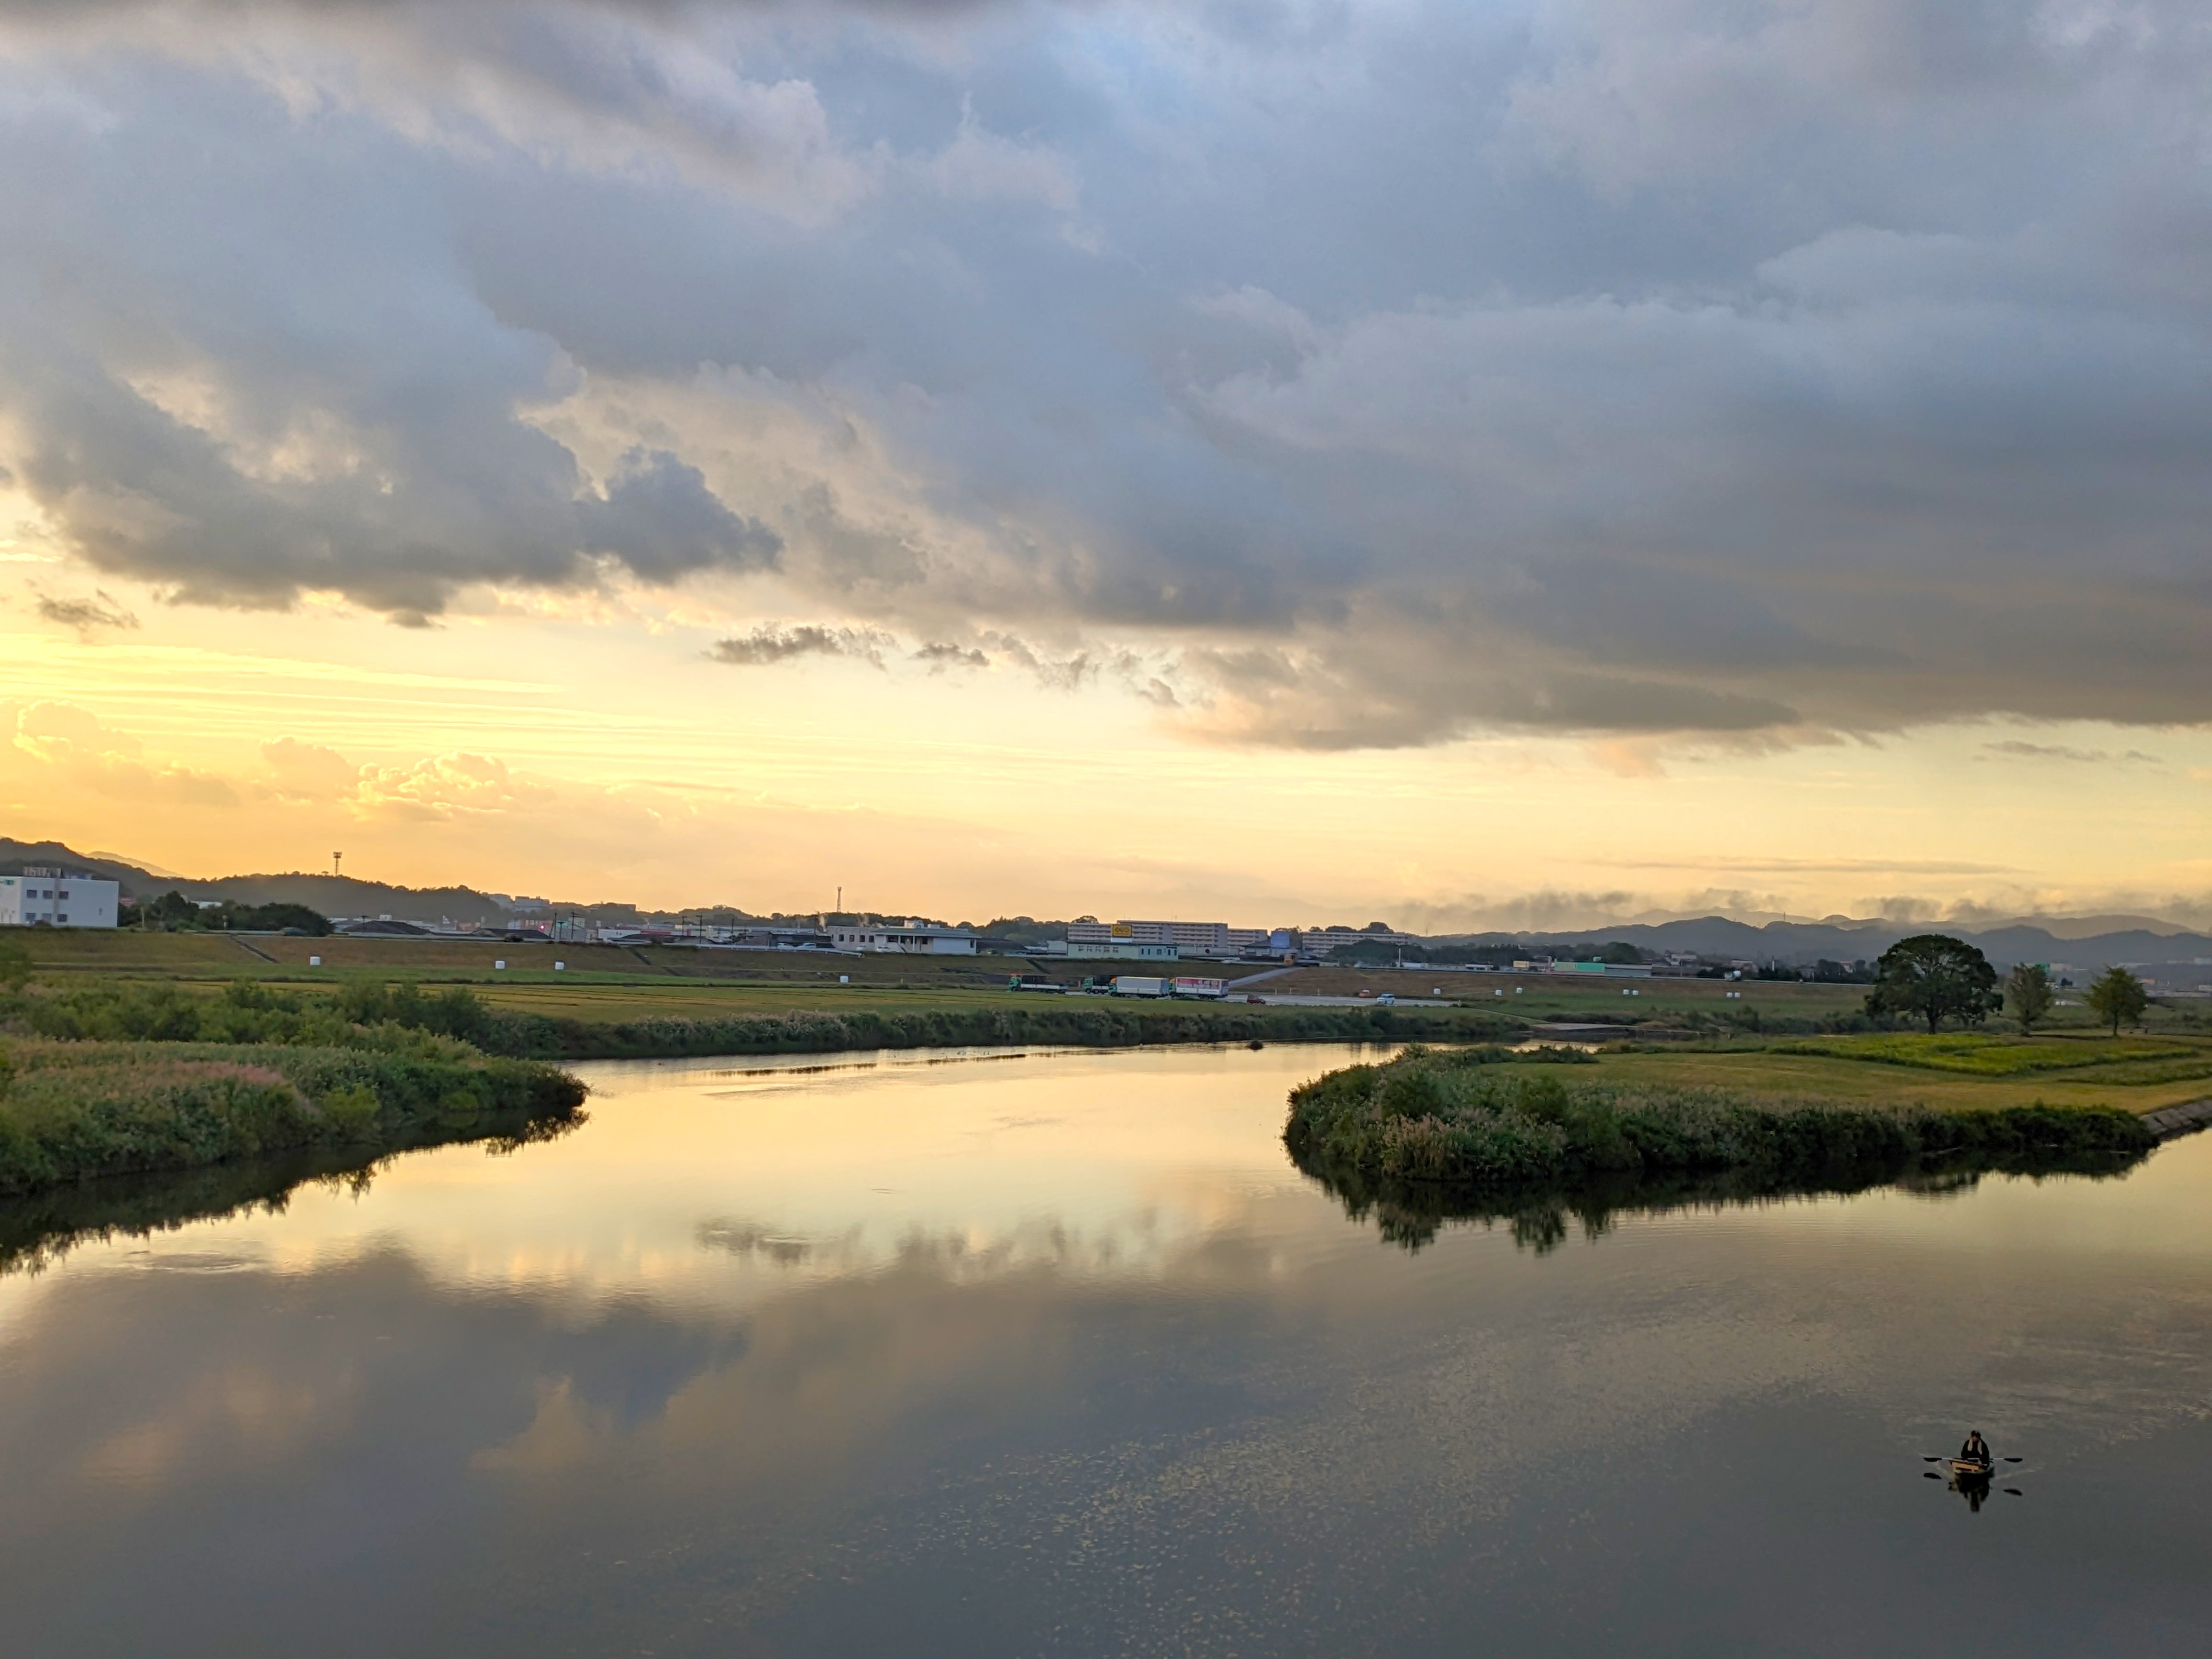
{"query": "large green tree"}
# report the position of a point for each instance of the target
(2027, 992)
(2117, 998)
(1934, 978)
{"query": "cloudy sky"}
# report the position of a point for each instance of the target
(1515, 459)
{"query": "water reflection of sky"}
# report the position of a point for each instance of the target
(1057, 1354)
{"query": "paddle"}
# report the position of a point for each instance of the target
(1953, 1460)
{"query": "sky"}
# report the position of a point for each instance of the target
(1515, 463)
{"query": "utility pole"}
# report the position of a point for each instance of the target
(841, 900)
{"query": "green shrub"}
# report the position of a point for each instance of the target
(353, 1111)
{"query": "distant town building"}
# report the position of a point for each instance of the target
(1113, 950)
(1190, 939)
(49, 898)
(916, 938)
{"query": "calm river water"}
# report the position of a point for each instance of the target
(1057, 1354)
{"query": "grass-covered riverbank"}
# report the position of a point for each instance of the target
(1484, 1117)
(73, 1111)
(105, 1078)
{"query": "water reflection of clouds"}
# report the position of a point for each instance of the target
(1171, 1393)
(1084, 1162)
(1145, 1244)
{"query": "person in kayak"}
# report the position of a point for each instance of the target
(1976, 1449)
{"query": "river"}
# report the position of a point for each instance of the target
(1056, 1354)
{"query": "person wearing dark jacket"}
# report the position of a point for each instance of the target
(1976, 1449)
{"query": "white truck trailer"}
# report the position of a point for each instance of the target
(1139, 985)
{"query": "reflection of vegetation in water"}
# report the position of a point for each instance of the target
(38, 1229)
(1541, 1217)
(1475, 1136)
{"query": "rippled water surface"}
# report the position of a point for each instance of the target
(1056, 1354)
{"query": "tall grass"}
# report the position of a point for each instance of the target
(76, 1110)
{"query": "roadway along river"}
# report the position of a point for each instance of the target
(1058, 1355)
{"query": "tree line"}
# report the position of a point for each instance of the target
(1934, 978)
(172, 913)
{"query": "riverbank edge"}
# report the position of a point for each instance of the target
(2186, 1117)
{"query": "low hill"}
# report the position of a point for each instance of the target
(329, 895)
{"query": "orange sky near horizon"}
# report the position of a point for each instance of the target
(581, 758)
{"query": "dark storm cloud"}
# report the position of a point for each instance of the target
(766, 646)
(86, 615)
(659, 518)
(1572, 365)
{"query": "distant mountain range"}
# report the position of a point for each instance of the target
(2087, 943)
(2136, 939)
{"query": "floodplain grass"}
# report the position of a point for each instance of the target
(1983, 1054)
(1854, 1070)
(1767, 1007)
(99, 951)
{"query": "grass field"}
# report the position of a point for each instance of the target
(1771, 1050)
(684, 971)
(2135, 1074)
(229, 956)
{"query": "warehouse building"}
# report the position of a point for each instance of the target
(916, 938)
(1190, 939)
(48, 898)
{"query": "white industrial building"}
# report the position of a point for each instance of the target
(1191, 939)
(47, 898)
(916, 938)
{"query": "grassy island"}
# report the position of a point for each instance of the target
(1487, 1130)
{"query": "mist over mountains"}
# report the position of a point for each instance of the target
(2080, 942)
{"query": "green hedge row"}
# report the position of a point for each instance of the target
(1076, 1022)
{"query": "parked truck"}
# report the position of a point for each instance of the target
(1214, 988)
(1138, 985)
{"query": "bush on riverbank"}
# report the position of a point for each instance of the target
(1462, 1118)
(363, 1015)
(1086, 1022)
(76, 1109)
